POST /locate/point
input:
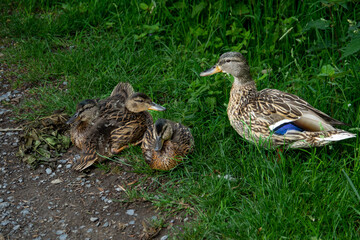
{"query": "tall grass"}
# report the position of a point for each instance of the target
(234, 189)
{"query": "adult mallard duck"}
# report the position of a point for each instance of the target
(116, 127)
(270, 117)
(165, 144)
(88, 110)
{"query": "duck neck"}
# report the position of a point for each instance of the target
(242, 92)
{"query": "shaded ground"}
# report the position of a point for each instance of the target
(54, 202)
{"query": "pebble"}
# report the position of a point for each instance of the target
(16, 227)
(4, 205)
(25, 212)
(132, 222)
(5, 96)
(94, 219)
(89, 230)
(164, 237)
(48, 171)
(106, 224)
(5, 222)
(59, 232)
(63, 161)
(130, 212)
(2, 111)
(63, 236)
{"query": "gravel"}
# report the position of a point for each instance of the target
(55, 202)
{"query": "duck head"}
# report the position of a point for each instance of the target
(163, 131)
(86, 111)
(139, 102)
(233, 63)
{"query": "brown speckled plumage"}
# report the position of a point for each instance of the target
(121, 120)
(255, 114)
(176, 143)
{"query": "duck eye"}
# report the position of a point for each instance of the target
(228, 60)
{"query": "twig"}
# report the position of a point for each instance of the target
(10, 129)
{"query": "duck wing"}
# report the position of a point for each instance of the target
(284, 110)
(123, 89)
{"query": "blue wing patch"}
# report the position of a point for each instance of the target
(282, 129)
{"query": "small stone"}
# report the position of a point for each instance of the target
(132, 222)
(106, 224)
(63, 161)
(154, 218)
(1, 200)
(25, 212)
(94, 219)
(5, 222)
(164, 237)
(16, 227)
(130, 212)
(48, 171)
(89, 230)
(59, 232)
(4, 205)
(56, 181)
(68, 166)
(63, 236)
(5, 96)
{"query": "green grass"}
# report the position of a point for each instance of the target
(233, 189)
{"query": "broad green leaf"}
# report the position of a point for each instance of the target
(198, 8)
(317, 24)
(351, 48)
(144, 6)
(326, 71)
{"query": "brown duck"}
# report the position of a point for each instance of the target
(271, 117)
(88, 110)
(166, 143)
(117, 124)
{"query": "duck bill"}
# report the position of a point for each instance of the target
(211, 71)
(158, 144)
(72, 119)
(156, 107)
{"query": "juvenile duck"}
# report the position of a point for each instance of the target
(88, 110)
(270, 117)
(117, 126)
(166, 143)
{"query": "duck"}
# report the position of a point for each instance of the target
(272, 118)
(116, 128)
(165, 144)
(88, 110)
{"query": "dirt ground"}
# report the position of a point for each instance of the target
(53, 201)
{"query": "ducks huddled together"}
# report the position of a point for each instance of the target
(103, 128)
(270, 118)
